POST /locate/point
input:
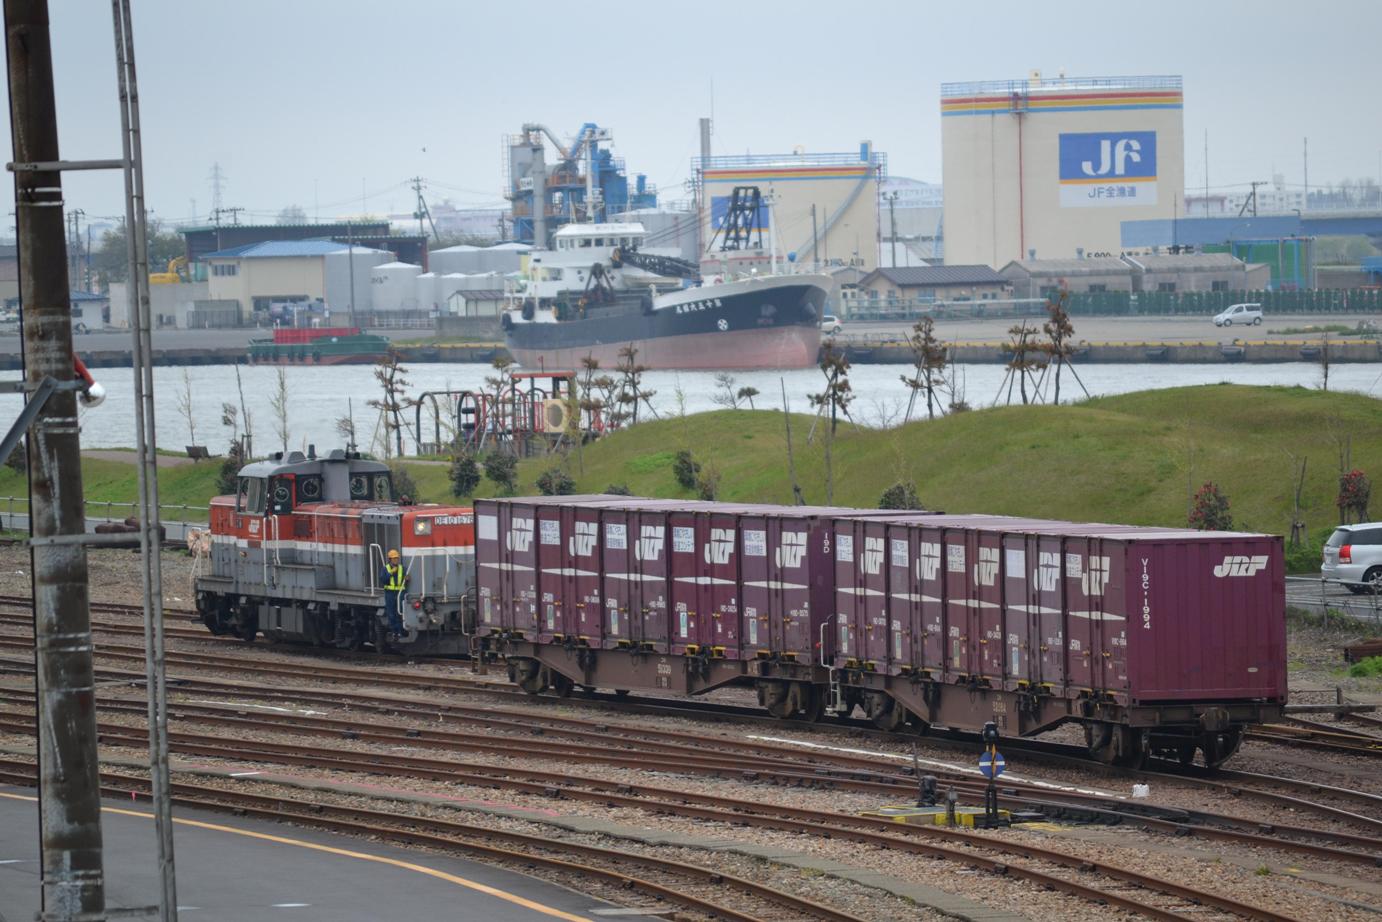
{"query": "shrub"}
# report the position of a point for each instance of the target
(685, 469)
(1366, 668)
(708, 484)
(618, 489)
(901, 495)
(464, 474)
(1355, 492)
(404, 487)
(1209, 510)
(502, 468)
(555, 482)
(227, 480)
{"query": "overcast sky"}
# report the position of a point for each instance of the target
(306, 101)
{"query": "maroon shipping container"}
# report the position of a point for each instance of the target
(1140, 614)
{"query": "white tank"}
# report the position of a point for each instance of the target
(447, 285)
(394, 288)
(425, 291)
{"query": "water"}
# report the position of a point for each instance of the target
(320, 396)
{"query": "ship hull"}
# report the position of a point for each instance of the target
(770, 323)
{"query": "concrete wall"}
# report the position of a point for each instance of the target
(278, 278)
(482, 328)
(1001, 162)
(1027, 284)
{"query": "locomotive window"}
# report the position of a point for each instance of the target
(309, 489)
(241, 494)
(383, 488)
(282, 493)
(359, 486)
(254, 495)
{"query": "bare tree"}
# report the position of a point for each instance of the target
(725, 395)
(186, 407)
(1058, 330)
(230, 419)
(631, 392)
(389, 372)
(245, 417)
(929, 358)
(837, 396)
(1324, 361)
(1022, 363)
(279, 402)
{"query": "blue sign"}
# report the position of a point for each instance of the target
(992, 765)
(1107, 156)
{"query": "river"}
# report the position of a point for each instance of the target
(320, 396)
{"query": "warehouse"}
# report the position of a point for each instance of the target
(905, 287)
(1038, 278)
(1041, 168)
(258, 275)
(1197, 272)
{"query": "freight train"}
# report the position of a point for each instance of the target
(1157, 641)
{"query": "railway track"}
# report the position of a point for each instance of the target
(385, 678)
(919, 840)
(692, 886)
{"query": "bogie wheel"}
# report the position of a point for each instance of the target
(1185, 754)
(621, 693)
(562, 685)
(1218, 748)
(1113, 744)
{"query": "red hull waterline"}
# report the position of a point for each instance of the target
(783, 347)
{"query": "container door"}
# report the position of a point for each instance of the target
(1049, 591)
(617, 572)
(684, 587)
(1082, 594)
(848, 589)
(962, 634)
(875, 631)
(551, 572)
(1111, 628)
(988, 590)
(651, 554)
(720, 555)
(903, 609)
(759, 590)
(791, 615)
(929, 585)
(585, 603)
(1019, 610)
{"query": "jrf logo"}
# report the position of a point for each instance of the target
(1047, 573)
(986, 569)
(873, 555)
(1095, 576)
(720, 547)
(1239, 565)
(520, 534)
(928, 560)
(792, 551)
(582, 543)
(650, 542)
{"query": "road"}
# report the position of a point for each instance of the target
(1119, 329)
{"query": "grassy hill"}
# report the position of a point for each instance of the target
(1132, 458)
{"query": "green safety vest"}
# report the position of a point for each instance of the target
(396, 580)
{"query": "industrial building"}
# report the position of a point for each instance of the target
(260, 275)
(1047, 168)
(502, 258)
(204, 240)
(825, 205)
(1165, 272)
(912, 216)
(903, 288)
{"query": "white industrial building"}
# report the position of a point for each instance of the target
(1051, 168)
(258, 275)
(503, 258)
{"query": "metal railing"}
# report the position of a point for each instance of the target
(14, 506)
(1334, 599)
(981, 87)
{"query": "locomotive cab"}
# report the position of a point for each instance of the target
(297, 553)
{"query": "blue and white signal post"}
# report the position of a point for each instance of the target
(991, 764)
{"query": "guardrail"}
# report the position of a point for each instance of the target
(1335, 599)
(12, 507)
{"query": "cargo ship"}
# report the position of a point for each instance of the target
(598, 291)
(319, 346)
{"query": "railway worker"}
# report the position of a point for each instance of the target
(394, 582)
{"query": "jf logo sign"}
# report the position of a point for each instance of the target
(1100, 169)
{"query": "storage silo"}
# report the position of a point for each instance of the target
(447, 285)
(1056, 166)
(425, 291)
(338, 290)
(393, 287)
(453, 259)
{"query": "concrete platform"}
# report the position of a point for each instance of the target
(232, 869)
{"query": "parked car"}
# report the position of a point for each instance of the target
(1353, 556)
(1239, 313)
(830, 325)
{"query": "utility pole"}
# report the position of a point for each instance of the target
(1307, 174)
(892, 219)
(218, 178)
(422, 211)
(71, 860)
(1251, 199)
(350, 267)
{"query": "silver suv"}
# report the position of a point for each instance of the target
(1353, 555)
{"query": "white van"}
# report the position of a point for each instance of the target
(1239, 313)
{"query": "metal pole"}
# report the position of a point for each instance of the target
(136, 234)
(71, 860)
(350, 267)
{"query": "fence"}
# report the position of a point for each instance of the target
(1207, 303)
(15, 514)
(1333, 600)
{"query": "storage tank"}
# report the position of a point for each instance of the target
(425, 291)
(337, 288)
(453, 259)
(393, 287)
(446, 286)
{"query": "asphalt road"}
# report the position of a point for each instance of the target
(237, 870)
(1120, 329)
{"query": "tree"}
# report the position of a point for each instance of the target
(901, 495)
(929, 357)
(631, 392)
(618, 489)
(837, 396)
(724, 395)
(555, 482)
(1209, 510)
(1355, 492)
(293, 214)
(110, 261)
(390, 375)
(502, 468)
(186, 407)
(1022, 363)
(345, 428)
(746, 395)
(279, 402)
(1058, 330)
(404, 487)
(685, 469)
(464, 474)
(708, 483)
(227, 479)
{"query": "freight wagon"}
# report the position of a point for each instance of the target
(1160, 641)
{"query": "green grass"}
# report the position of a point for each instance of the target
(1366, 667)
(1128, 459)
